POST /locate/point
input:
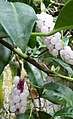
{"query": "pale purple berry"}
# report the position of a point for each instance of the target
(16, 99)
(12, 108)
(22, 109)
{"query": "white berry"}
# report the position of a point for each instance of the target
(22, 109)
(16, 79)
(16, 99)
(55, 52)
(18, 105)
(12, 108)
(11, 103)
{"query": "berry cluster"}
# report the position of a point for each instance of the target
(18, 96)
(67, 55)
(45, 24)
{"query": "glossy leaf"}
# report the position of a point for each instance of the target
(24, 116)
(59, 61)
(34, 74)
(65, 65)
(58, 93)
(2, 32)
(32, 42)
(65, 1)
(17, 19)
(65, 18)
(27, 115)
(66, 112)
(5, 56)
(24, 1)
(54, 97)
(43, 115)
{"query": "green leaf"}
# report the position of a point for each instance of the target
(66, 112)
(65, 18)
(65, 1)
(5, 56)
(54, 97)
(34, 74)
(58, 93)
(24, 1)
(24, 116)
(43, 115)
(59, 61)
(2, 32)
(32, 42)
(17, 19)
(63, 64)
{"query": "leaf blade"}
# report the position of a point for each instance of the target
(65, 19)
(18, 21)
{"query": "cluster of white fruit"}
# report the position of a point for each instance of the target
(67, 55)
(18, 96)
(54, 43)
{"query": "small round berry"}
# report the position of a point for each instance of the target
(71, 62)
(68, 48)
(71, 55)
(16, 99)
(50, 47)
(59, 45)
(54, 40)
(57, 35)
(16, 91)
(39, 25)
(24, 103)
(23, 96)
(55, 53)
(16, 79)
(67, 57)
(11, 103)
(22, 109)
(18, 105)
(44, 29)
(26, 92)
(48, 20)
(52, 26)
(12, 108)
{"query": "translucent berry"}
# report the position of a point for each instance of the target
(16, 99)
(22, 109)
(54, 40)
(16, 79)
(18, 105)
(71, 62)
(11, 103)
(59, 45)
(26, 92)
(23, 96)
(16, 91)
(12, 108)
(44, 29)
(57, 35)
(55, 52)
(24, 103)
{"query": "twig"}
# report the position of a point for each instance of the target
(41, 66)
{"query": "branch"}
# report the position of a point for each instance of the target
(41, 66)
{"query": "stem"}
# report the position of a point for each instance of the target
(40, 66)
(34, 34)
